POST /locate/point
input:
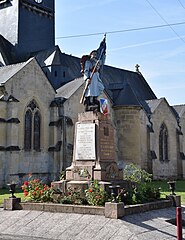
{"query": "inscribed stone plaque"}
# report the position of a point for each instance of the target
(85, 142)
(107, 149)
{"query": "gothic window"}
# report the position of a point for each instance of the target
(163, 143)
(32, 130)
(28, 130)
(36, 140)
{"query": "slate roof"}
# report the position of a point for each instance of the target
(125, 96)
(179, 109)
(6, 52)
(54, 56)
(70, 88)
(123, 87)
(153, 104)
(9, 71)
(48, 57)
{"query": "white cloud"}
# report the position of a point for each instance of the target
(145, 43)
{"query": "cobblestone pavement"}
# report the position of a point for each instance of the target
(35, 225)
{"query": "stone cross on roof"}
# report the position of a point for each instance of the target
(137, 66)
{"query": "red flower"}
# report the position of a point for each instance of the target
(41, 192)
(26, 183)
(36, 188)
(25, 193)
(90, 190)
(98, 197)
(34, 193)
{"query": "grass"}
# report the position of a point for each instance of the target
(179, 189)
(4, 194)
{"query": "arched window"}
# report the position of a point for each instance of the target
(32, 127)
(163, 143)
(28, 130)
(36, 140)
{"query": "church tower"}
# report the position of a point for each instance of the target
(29, 25)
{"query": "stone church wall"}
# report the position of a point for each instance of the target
(25, 86)
(181, 164)
(165, 168)
(145, 156)
(131, 135)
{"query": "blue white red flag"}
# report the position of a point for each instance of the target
(101, 51)
(104, 107)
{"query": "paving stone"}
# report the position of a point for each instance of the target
(35, 225)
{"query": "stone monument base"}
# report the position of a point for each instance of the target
(94, 155)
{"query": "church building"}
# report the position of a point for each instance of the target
(40, 90)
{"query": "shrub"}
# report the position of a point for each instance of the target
(132, 173)
(34, 190)
(140, 191)
(146, 193)
(73, 196)
(126, 196)
(96, 195)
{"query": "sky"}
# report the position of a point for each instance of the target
(150, 33)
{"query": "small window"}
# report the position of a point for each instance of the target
(64, 74)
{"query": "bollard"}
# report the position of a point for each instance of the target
(179, 222)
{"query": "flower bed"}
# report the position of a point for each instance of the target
(94, 199)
